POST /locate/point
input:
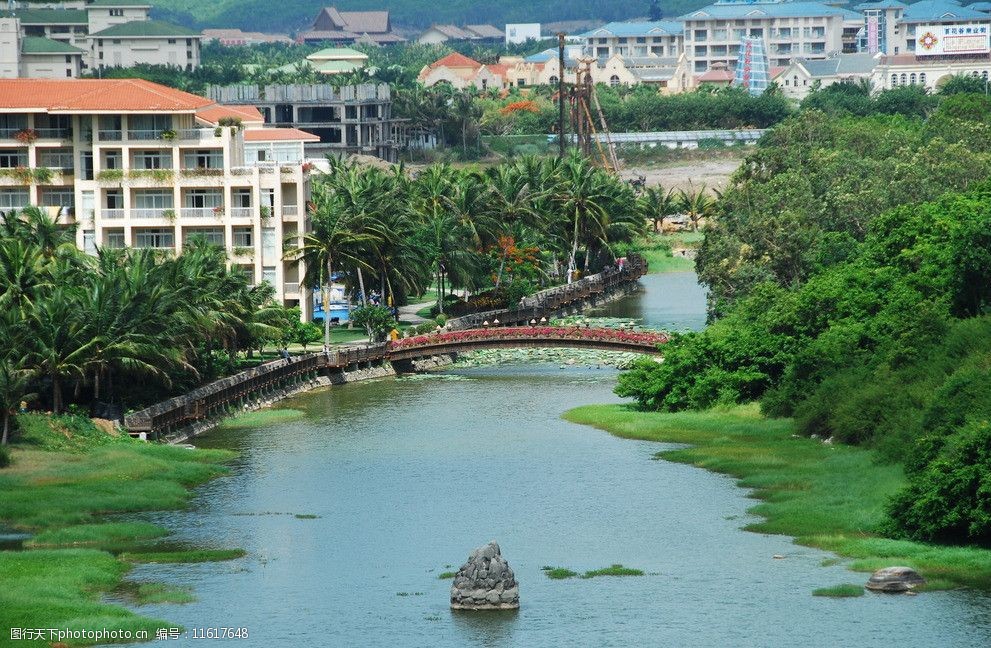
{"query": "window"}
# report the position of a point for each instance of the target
(241, 198)
(64, 197)
(149, 126)
(554, 79)
(89, 242)
(57, 158)
(894, 79)
(115, 199)
(911, 78)
(213, 235)
(111, 160)
(520, 83)
(657, 50)
(269, 247)
(115, 239)
(13, 199)
(154, 238)
(756, 33)
(904, 79)
(701, 34)
(268, 275)
(10, 159)
(614, 80)
(641, 39)
(148, 160)
(922, 78)
(243, 237)
(154, 199)
(203, 198)
(719, 34)
(117, 12)
(171, 41)
(203, 159)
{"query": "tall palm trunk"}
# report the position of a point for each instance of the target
(56, 395)
(6, 428)
(361, 286)
(328, 284)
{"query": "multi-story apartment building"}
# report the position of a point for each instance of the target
(348, 119)
(810, 30)
(637, 40)
(58, 39)
(890, 27)
(134, 163)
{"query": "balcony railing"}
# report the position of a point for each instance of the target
(110, 135)
(202, 212)
(54, 133)
(290, 288)
(9, 133)
(146, 135)
(242, 212)
(113, 213)
(153, 212)
(290, 210)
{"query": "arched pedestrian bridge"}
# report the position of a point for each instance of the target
(516, 337)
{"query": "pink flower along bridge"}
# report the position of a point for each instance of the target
(533, 336)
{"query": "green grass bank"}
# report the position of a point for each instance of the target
(67, 479)
(827, 496)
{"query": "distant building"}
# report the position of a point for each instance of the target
(790, 29)
(517, 34)
(349, 27)
(896, 70)
(799, 78)
(66, 39)
(661, 39)
(436, 34)
(891, 27)
(349, 119)
(232, 37)
(337, 60)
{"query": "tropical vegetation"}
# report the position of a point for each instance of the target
(848, 268)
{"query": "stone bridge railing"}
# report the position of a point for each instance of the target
(547, 302)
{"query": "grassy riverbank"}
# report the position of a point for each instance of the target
(66, 477)
(826, 496)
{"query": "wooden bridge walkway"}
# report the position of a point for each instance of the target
(508, 328)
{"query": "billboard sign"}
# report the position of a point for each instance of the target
(873, 35)
(949, 40)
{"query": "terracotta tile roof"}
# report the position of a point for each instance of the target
(279, 135)
(715, 76)
(498, 69)
(456, 60)
(95, 95)
(213, 114)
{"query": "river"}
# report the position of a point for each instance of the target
(407, 475)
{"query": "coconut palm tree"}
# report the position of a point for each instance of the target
(655, 205)
(697, 204)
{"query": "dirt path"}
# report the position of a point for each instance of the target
(684, 175)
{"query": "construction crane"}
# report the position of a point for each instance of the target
(582, 99)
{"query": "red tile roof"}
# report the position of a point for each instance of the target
(715, 76)
(213, 114)
(456, 60)
(279, 135)
(95, 95)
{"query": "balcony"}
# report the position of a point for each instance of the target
(242, 212)
(167, 213)
(290, 211)
(110, 135)
(112, 213)
(290, 288)
(152, 135)
(202, 212)
(54, 133)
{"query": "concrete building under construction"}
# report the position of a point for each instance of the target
(348, 119)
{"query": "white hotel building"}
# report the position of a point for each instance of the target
(134, 163)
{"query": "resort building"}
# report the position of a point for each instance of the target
(65, 39)
(346, 120)
(638, 40)
(891, 27)
(349, 27)
(337, 60)
(134, 163)
(811, 30)
(437, 34)
(802, 76)
(907, 69)
(235, 37)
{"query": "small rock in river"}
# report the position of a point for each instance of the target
(895, 579)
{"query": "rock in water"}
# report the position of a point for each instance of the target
(485, 582)
(895, 579)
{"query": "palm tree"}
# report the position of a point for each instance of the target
(61, 343)
(584, 198)
(696, 204)
(655, 205)
(336, 238)
(15, 378)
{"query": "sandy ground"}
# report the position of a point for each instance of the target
(714, 174)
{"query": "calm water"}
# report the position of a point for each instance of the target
(407, 475)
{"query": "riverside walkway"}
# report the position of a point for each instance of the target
(523, 326)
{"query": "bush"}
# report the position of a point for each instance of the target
(377, 320)
(950, 499)
(4, 457)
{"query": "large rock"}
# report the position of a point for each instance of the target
(895, 579)
(485, 582)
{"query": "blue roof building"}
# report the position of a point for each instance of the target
(637, 39)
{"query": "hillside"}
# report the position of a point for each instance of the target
(263, 15)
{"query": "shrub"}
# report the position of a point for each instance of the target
(4, 457)
(949, 500)
(377, 320)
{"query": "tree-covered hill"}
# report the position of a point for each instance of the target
(263, 15)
